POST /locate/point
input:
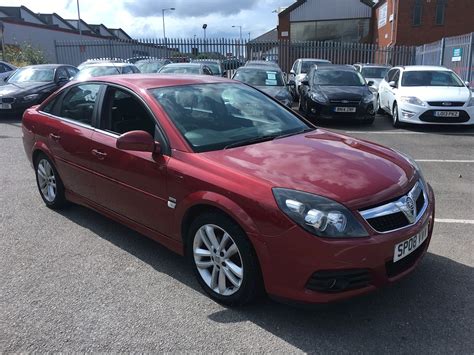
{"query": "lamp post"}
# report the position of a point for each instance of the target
(240, 41)
(79, 19)
(163, 16)
(204, 27)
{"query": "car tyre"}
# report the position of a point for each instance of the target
(380, 110)
(50, 185)
(223, 260)
(395, 120)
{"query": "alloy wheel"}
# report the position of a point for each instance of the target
(218, 260)
(46, 180)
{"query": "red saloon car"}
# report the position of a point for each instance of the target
(256, 197)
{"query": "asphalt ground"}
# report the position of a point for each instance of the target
(77, 281)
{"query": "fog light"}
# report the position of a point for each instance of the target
(407, 114)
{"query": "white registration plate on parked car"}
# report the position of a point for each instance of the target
(446, 113)
(5, 106)
(408, 246)
(345, 109)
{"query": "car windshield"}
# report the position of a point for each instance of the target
(307, 64)
(338, 78)
(181, 69)
(149, 67)
(374, 72)
(32, 74)
(431, 78)
(259, 77)
(94, 71)
(217, 116)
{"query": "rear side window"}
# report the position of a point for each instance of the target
(79, 102)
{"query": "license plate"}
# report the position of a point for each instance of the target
(446, 113)
(408, 246)
(5, 106)
(345, 109)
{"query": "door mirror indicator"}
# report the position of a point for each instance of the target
(138, 141)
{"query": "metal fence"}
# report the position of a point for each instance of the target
(233, 52)
(456, 53)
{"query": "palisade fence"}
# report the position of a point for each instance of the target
(232, 51)
(456, 53)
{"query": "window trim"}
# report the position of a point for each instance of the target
(440, 4)
(418, 5)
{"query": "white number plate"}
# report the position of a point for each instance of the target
(345, 109)
(5, 106)
(446, 113)
(408, 246)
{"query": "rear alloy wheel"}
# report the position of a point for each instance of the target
(223, 260)
(49, 183)
(396, 121)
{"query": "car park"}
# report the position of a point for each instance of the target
(268, 80)
(186, 68)
(95, 69)
(255, 197)
(30, 85)
(426, 95)
(214, 64)
(298, 72)
(151, 65)
(337, 92)
(6, 69)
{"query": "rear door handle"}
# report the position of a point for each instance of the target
(54, 137)
(100, 155)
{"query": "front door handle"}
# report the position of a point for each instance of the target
(54, 137)
(100, 155)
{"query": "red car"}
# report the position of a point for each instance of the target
(256, 197)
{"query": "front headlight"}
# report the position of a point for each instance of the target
(368, 99)
(318, 215)
(471, 101)
(412, 100)
(30, 97)
(318, 97)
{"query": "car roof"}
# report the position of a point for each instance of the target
(185, 64)
(314, 59)
(48, 66)
(373, 65)
(424, 67)
(336, 67)
(259, 67)
(149, 81)
(107, 64)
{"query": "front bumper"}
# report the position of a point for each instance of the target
(290, 262)
(16, 110)
(426, 115)
(364, 111)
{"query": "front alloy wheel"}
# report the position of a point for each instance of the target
(396, 120)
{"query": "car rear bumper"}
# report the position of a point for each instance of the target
(297, 263)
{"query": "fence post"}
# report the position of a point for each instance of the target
(443, 46)
(470, 60)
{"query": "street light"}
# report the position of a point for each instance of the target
(240, 42)
(163, 16)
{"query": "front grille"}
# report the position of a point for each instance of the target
(429, 116)
(332, 281)
(446, 103)
(345, 102)
(7, 100)
(394, 269)
(390, 216)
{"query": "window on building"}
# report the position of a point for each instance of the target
(351, 30)
(440, 9)
(417, 12)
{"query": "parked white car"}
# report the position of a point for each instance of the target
(298, 72)
(426, 95)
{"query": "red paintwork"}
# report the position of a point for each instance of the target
(133, 188)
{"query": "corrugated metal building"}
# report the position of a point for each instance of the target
(326, 20)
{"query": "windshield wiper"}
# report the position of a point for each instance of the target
(250, 141)
(304, 130)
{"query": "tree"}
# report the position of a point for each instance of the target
(24, 54)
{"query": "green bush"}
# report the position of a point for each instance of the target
(24, 54)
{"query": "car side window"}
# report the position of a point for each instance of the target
(123, 113)
(72, 71)
(3, 68)
(295, 64)
(389, 75)
(127, 70)
(206, 71)
(396, 76)
(79, 102)
(61, 74)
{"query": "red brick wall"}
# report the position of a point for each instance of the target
(284, 24)
(459, 19)
(383, 35)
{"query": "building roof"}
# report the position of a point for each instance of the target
(293, 6)
(48, 19)
(269, 36)
(14, 12)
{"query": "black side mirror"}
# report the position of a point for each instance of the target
(305, 82)
(291, 82)
(370, 83)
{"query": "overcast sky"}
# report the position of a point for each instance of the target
(142, 18)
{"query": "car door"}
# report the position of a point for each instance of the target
(68, 131)
(130, 183)
(384, 88)
(392, 91)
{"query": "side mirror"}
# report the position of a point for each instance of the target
(370, 83)
(468, 84)
(62, 80)
(138, 141)
(291, 82)
(392, 84)
(292, 72)
(224, 74)
(305, 82)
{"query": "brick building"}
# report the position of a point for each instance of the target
(415, 22)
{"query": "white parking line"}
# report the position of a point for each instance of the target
(444, 161)
(459, 221)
